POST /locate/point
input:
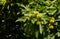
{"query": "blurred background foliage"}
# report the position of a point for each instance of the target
(29, 19)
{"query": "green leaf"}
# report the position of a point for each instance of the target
(53, 37)
(58, 34)
(20, 5)
(40, 28)
(21, 19)
(48, 37)
(33, 20)
(59, 17)
(36, 34)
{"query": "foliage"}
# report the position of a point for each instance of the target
(37, 19)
